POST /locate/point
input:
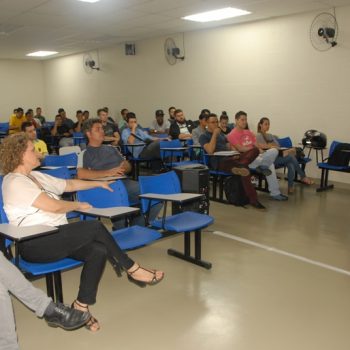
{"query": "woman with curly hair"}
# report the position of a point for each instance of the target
(32, 198)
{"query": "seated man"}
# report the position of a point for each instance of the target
(200, 129)
(39, 116)
(30, 118)
(104, 160)
(122, 121)
(171, 111)
(214, 141)
(159, 125)
(16, 121)
(181, 129)
(244, 140)
(149, 146)
(39, 145)
(62, 132)
(56, 315)
(110, 128)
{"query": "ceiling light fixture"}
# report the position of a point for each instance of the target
(216, 15)
(91, 1)
(41, 53)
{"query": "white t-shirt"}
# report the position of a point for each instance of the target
(19, 192)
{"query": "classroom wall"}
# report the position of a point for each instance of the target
(266, 68)
(21, 85)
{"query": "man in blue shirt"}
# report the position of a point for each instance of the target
(148, 148)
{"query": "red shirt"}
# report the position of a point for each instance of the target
(241, 137)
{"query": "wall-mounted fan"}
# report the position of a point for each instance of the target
(324, 31)
(89, 64)
(172, 52)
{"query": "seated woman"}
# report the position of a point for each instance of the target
(32, 198)
(285, 158)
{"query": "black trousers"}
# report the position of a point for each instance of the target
(88, 241)
(152, 151)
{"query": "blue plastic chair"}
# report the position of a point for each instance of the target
(325, 168)
(183, 222)
(78, 138)
(179, 155)
(70, 159)
(61, 172)
(51, 270)
(129, 237)
(4, 129)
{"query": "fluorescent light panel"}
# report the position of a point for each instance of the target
(42, 53)
(89, 0)
(217, 15)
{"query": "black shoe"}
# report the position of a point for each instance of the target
(258, 205)
(263, 170)
(60, 315)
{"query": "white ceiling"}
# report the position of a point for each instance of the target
(71, 26)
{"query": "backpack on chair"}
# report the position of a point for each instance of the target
(234, 191)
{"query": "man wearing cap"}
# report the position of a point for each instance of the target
(16, 121)
(159, 125)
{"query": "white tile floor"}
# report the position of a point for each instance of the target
(252, 299)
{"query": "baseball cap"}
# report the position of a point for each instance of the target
(159, 112)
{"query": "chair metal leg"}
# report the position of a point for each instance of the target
(324, 181)
(187, 251)
(49, 286)
(58, 286)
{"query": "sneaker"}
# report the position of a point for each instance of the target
(258, 205)
(263, 170)
(280, 197)
(240, 171)
(60, 315)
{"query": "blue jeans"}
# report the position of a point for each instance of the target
(292, 165)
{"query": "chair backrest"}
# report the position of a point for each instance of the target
(101, 198)
(78, 138)
(332, 147)
(4, 127)
(170, 144)
(167, 183)
(285, 142)
(69, 149)
(65, 160)
(61, 172)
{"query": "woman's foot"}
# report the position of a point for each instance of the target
(307, 181)
(142, 276)
(290, 190)
(92, 324)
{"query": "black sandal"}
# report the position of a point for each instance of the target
(91, 321)
(143, 284)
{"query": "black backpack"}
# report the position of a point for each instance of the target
(234, 191)
(338, 157)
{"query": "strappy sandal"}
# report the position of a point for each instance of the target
(143, 284)
(91, 322)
